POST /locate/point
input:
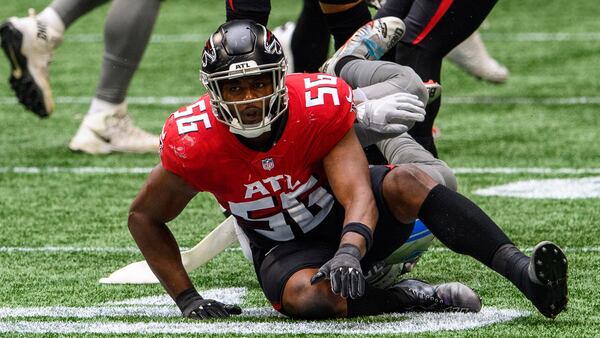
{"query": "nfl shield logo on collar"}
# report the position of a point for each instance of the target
(268, 163)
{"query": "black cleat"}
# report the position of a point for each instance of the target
(548, 274)
(452, 297)
(28, 45)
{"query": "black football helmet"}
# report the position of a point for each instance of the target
(244, 48)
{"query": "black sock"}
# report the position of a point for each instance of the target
(310, 41)
(258, 11)
(512, 263)
(343, 24)
(377, 301)
(461, 225)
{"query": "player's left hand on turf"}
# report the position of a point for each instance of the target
(192, 305)
(344, 272)
(392, 114)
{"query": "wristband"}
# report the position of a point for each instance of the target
(360, 229)
(186, 297)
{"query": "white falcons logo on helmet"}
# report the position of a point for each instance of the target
(210, 54)
(274, 47)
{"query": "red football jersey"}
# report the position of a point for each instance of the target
(276, 193)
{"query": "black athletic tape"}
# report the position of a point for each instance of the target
(360, 229)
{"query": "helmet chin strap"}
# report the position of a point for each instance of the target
(253, 132)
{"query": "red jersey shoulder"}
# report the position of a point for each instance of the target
(185, 136)
(321, 107)
(320, 92)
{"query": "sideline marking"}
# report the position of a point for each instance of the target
(451, 100)
(162, 306)
(565, 188)
(146, 170)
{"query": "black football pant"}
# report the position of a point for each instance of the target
(433, 29)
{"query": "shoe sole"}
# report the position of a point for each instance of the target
(549, 267)
(374, 51)
(548, 264)
(28, 92)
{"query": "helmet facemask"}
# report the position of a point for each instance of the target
(228, 112)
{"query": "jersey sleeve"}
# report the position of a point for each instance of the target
(169, 156)
(339, 120)
(179, 153)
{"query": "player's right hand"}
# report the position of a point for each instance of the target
(344, 273)
(392, 114)
(192, 305)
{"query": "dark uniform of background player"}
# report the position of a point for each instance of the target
(433, 29)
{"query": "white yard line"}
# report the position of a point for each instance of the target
(74, 249)
(146, 170)
(546, 101)
(542, 36)
(404, 323)
(532, 170)
(487, 36)
(448, 100)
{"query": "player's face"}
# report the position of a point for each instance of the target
(248, 88)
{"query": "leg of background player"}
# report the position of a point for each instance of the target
(310, 40)
(107, 127)
(257, 10)
(344, 17)
(71, 10)
(433, 28)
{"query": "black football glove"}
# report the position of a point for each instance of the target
(192, 305)
(344, 272)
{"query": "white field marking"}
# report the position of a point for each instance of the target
(497, 100)
(451, 100)
(146, 170)
(75, 170)
(533, 170)
(565, 188)
(156, 38)
(70, 249)
(162, 306)
(405, 323)
(226, 295)
(542, 36)
(516, 37)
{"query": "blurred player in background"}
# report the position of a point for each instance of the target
(30, 41)
(435, 28)
(275, 150)
(307, 42)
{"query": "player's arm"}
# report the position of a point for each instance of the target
(347, 170)
(162, 198)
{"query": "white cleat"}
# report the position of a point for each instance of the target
(112, 131)
(369, 42)
(28, 44)
(472, 57)
(284, 35)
